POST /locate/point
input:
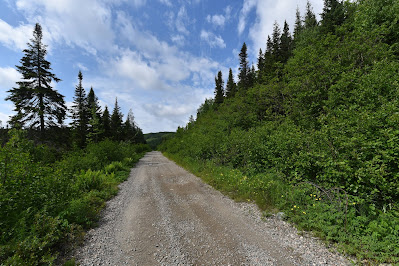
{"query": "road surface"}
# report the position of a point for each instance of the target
(164, 215)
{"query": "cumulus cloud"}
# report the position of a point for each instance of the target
(8, 77)
(212, 39)
(87, 24)
(220, 20)
(178, 39)
(15, 38)
(267, 12)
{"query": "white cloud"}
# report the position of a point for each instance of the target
(166, 2)
(15, 38)
(212, 39)
(182, 20)
(270, 11)
(8, 77)
(247, 7)
(81, 67)
(178, 39)
(220, 20)
(87, 24)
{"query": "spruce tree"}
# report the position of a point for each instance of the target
(243, 69)
(95, 127)
(310, 17)
(36, 103)
(231, 86)
(79, 113)
(106, 123)
(261, 60)
(298, 24)
(285, 44)
(276, 41)
(92, 102)
(129, 128)
(116, 122)
(333, 15)
(219, 88)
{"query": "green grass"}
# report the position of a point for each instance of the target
(367, 235)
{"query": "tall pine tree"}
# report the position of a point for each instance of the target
(80, 113)
(333, 15)
(310, 17)
(231, 86)
(285, 44)
(106, 123)
(298, 24)
(219, 88)
(116, 122)
(243, 69)
(36, 103)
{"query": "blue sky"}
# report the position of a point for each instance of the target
(158, 57)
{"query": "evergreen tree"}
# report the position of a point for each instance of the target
(244, 68)
(219, 88)
(95, 127)
(231, 86)
(35, 101)
(285, 44)
(261, 60)
(310, 17)
(116, 122)
(79, 113)
(252, 77)
(129, 127)
(298, 24)
(333, 15)
(276, 38)
(106, 123)
(92, 102)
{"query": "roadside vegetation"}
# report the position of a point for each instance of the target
(55, 179)
(313, 131)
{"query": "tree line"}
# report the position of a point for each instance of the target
(41, 110)
(320, 108)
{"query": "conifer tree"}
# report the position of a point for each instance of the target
(310, 17)
(333, 15)
(244, 68)
(261, 60)
(106, 123)
(252, 77)
(36, 103)
(92, 102)
(129, 128)
(219, 88)
(285, 44)
(276, 42)
(116, 121)
(231, 86)
(298, 24)
(80, 113)
(95, 127)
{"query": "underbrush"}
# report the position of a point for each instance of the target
(45, 205)
(349, 223)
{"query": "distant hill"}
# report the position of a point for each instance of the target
(154, 139)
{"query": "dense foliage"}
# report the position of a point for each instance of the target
(55, 179)
(323, 110)
(45, 203)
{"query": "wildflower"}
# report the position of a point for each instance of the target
(294, 206)
(354, 203)
(311, 195)
(282, 196)
(314, 204)
(292, 209)
(304, 212)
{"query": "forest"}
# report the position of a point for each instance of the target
(313, 129)
(56, 178)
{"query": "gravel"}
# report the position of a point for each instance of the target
(164, 215)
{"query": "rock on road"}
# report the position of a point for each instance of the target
(164, 215)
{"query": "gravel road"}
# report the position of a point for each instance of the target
(164, 215)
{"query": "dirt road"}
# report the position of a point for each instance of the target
(164, 215)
